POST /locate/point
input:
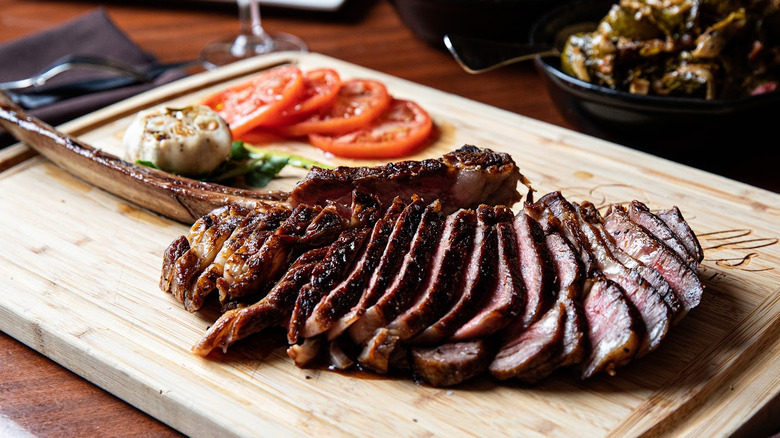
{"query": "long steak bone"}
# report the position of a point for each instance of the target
(178, 198)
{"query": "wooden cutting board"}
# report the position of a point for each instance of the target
(81, 270)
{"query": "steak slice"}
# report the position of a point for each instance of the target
(642, 216)
(389, 264)
(273, 310)
(559, 208)
(506, 298)
(570, 283)
(377, 350)
(641, 245)
(464, 178)
(570, 278)
(614, 330)
(247, 240)
(656, 315)
(539, 344)
(333, 268)
(344, 296)
(451, 364)
(536, 270)
(171, 255)
(478, 276)
(556, 339)
(588, 212)
(405, 285)
(673, 218)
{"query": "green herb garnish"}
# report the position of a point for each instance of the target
(257, 168)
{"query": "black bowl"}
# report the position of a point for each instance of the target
(725, 136)
(500, 20)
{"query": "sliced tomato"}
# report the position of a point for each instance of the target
(260, 136)
(259, 100)
(320, 89)
(395, 133)
(359, 101)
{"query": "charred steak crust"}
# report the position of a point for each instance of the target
(478, 273)
(329, 272)
(436, 281)
(464, 178)
(346, 295)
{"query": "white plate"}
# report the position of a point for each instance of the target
(318, 5)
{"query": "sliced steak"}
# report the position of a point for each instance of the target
(478, 277)
(407, 281)
(378, 349)
(571, 275)
(556, 339)
(398, 245)
(536, 269)
(464, 178)
(655, 313)
(333, 268)
(344, 296)
(205, 239)
(673, 218)
(172, 253)
(443, 277)
(304, 354)
(337, 358)
(506, 298)
(246, 241)
(453, 363)
(253, 230)
(642, 216)
(614, 330)
(588, 212)
(641, 245)
(542, 215)
(570, 283)
(307, 227)
(273, 310)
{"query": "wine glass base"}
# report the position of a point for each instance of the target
(247, 46)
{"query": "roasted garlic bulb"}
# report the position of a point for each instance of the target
(192, 140)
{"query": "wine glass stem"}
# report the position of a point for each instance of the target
(249, 17)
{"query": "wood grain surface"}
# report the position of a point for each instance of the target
(45, 399)
(96, 308)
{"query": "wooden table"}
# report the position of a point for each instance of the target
(39, 396)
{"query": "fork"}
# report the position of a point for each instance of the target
(71, 62)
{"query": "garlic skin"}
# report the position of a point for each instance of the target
(191, 140)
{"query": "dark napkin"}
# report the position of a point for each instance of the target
(92, 34)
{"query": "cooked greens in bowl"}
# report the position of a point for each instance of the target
(727, 134)
(710, 49)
